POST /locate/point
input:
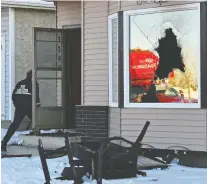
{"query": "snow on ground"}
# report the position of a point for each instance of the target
(15, 138)
(29, 170)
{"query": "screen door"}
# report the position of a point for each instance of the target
(48, 73)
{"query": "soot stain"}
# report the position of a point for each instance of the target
(169, 54)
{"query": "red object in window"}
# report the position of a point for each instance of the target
(143, 64)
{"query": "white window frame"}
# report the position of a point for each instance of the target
(110, 38)
(127, 14)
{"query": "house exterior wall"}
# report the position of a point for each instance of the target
(5, 31)
(25, 20)
(184, 127)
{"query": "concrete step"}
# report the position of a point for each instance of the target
(49, 142)
(13, 149)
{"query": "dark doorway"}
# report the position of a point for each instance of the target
(72, 73)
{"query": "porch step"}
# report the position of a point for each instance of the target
(14, 149)
(49, 142)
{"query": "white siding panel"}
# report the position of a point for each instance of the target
(5, 30)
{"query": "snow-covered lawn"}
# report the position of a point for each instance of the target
(29, 171)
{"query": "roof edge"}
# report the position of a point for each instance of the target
(13, 4)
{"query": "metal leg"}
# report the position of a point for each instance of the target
(44, 162)
(77, 179)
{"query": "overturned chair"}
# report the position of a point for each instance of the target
(115, 161)
(108, 161)
(77, 169)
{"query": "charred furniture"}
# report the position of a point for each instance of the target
(77, 169)
(104, 159)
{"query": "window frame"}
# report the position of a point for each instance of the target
(110, 60)
(126, 38)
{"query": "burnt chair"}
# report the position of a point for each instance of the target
(77, 169)
(115, 161)
(109, 161)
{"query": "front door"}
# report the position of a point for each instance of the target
(48, 72)
(72, 72)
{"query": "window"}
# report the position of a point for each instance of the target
(113, 60)
(162, 48)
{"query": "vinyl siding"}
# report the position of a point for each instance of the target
(185, 127)
(114, 6)
(95, 53)
(69, 13)
(5, 30)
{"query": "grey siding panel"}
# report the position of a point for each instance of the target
(95, 53)
(5, 30)
(184, 127)
(69, 13)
